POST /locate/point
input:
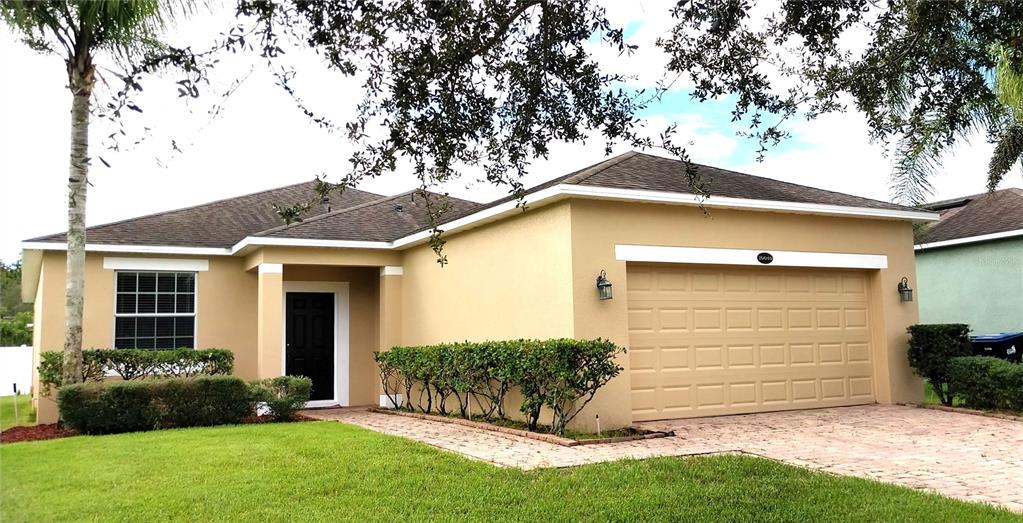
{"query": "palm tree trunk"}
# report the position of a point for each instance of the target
(78, 182)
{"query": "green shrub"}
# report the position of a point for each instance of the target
(984, 382)
(130, 406)
(561, 374)
(932, 347)
(97, 408)
(133, 364)
(284, 395)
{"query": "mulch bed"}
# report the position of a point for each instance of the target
(54, 430)
(35, 433)
(549, 438)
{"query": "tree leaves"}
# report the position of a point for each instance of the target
(923, 79)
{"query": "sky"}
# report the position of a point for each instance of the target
(260, 140)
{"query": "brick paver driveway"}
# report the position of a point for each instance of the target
(960, 455)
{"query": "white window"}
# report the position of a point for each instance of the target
(154, 310)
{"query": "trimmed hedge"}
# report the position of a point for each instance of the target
(983, 382)
(133, 364)
(561, 374)
(130, 406)
(284, 396)
(932, 347)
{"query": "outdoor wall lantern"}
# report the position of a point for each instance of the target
(905, 293)
(603, 286)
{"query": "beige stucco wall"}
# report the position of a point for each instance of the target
(510, 279)
(228, 308)
(226, 311)
(597, 226)
(530, 275)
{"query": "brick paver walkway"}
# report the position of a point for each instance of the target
(959, 455)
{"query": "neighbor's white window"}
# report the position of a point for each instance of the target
(154, 310)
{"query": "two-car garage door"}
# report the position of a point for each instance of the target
(710, 340)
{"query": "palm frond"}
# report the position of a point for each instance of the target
(1008, 151)
(916, 161)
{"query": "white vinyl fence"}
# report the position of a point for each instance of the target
(15, 367)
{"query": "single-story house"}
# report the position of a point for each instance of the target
(970, 262)
(766, 296)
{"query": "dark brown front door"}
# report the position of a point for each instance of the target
(309, 340)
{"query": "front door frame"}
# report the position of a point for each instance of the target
(341, 308)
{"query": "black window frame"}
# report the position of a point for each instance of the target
(155, 309)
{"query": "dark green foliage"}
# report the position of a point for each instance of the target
(560, 374)
(133, 364)
(130, 406)
(982, 382)
(14, 315)
(923, 78)
(10, 291)
(95, 408)
(284, 396)
(458, 86)
(14, 331)
(932, 347)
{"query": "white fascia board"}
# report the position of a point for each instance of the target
(134, 249)
(392, 270)
(156, 264)
(271, 268)
(970, 239)
(302, 242)
(610, 193)
(713, 256)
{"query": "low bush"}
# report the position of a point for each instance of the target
(932, 347)
(560, 374)
(284, 396)
(133, 364)
(130, 406)
(983, 382)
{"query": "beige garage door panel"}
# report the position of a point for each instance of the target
(708, 341)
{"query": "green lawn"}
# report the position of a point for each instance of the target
(331, 471)
(26, 416)
(931, 398)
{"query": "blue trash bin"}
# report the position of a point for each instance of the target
(1007, 345)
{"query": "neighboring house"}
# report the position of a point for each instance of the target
(970, 263)
(768, 296)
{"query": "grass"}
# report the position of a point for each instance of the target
(332, 471)
(931, 397)
(26, 415)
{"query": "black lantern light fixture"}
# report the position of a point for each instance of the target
(905, 292)
(603, 286)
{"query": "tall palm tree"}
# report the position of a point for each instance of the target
(1009, 89)
(80, 30)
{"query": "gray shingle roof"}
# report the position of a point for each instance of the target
(643, 171)
(383, 220)
(363, 216)
(216, 224)
(977, 215)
